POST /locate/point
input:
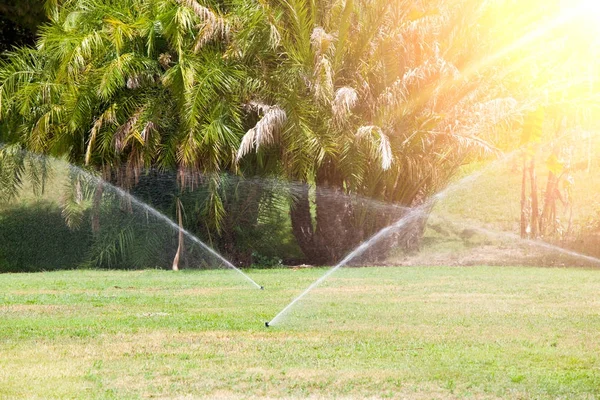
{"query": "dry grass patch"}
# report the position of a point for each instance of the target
(422, 333)
(29, 309)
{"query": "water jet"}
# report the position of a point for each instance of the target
(148, 210)
(410, 216)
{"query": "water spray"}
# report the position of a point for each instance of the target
(411, 216)
(149, 209)
(532, 242)
(171, 223)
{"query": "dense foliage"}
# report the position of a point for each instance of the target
(35, 238)
(376, 99)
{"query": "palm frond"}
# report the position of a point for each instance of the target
(109, 116)
(379, 143)
(124, 132)
(321, 41)
(345, 100)
(323, 81)
(265, 131)
(12, 170)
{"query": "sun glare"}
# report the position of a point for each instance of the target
(593, 6)
(586, 10)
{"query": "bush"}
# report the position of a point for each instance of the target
(36, 238)
(587, 240)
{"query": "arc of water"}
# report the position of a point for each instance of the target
(531, 242)
(357, 252)
(399, 224)
(165, 219)
(150, 210)
(549, 246)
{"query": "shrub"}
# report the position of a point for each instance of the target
(36, 238)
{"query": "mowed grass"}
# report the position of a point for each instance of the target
(368, 332)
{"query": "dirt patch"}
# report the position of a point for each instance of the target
(491, 255)
(199, 291)
(37, 309)
(52, 292)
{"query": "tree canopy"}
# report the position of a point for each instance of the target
(371, 98)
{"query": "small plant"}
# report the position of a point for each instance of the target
(260, 261)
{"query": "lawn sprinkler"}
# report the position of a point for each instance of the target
(267, 324)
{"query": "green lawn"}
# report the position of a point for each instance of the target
(371, 332)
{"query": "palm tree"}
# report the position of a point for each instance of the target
(354, 99)
(371, 99)
(124, 86)
(127, 83)
(108, 82)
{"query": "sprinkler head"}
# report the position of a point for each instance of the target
(267, 324)
(262, 288)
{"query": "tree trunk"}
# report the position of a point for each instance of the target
(179, 253)
(96, 204)
(524, 221)
(342, 222)
(549, 210)
(328, 238)
(334, 212)
(534, 200)
(302, 227)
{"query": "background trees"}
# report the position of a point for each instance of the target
(19, 20)
(124, 86)
(353, 100)
(372, 99)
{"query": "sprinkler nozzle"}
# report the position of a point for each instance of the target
(267, 324)
(262, 288)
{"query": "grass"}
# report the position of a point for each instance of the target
(372, 332)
